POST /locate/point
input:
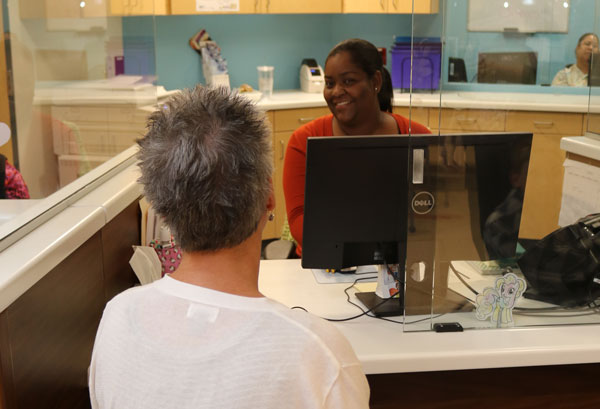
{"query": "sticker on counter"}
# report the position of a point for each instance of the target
(217, 5)
(497, 303)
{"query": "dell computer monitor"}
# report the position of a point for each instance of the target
(355, 201)
(366, 195)
(507, 68)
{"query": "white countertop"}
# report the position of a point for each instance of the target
(288, 99)
(467, 100)
(28, 260)
(9, 208)
(588, 146)
(384, 347)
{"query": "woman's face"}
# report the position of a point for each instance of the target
(586, 47)
(348, 91)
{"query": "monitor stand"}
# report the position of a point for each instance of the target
(393, 307)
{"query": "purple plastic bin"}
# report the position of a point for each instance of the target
(426, 67)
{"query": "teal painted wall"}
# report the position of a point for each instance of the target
(247, 41)
(160, 45)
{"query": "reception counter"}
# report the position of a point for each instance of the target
(390, 347)
(56, 280)
(534, 367)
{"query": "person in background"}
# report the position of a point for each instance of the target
(204, 336)
(14, 186)
(576, 75)
(358, 91)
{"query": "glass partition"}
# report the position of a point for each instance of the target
(82, 77)
(81, 81)
(526, 82)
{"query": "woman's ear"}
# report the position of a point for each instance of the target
(271, 198)
(377, 81)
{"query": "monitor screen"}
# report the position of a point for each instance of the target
(369, 198)
(594, 74)
(355, 201)
(507, 68)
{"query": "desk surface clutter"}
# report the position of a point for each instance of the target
(388, 347)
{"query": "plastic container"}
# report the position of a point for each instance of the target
(265, 80)
(427, 63)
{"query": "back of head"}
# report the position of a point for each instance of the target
(366, 56)
(206, 165)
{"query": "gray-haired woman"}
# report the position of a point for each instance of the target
(204, 336)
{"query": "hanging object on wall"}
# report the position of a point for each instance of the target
(214, 66)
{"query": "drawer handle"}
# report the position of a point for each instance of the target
(395, 4)
(268, 4)
(543, 124)
(467, 120)
(382, 5)
(282, 149)
(305, 120)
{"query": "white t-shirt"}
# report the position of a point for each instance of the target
(175, 345)
(571, 76)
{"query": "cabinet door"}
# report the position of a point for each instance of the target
(303, 6)
(189, 7)
(7, 148)
(291, 119)
(281, 139)
(63, 8)
(543, 191)
(420, 6)
(416, 114)
(74, 9)
(366, 6)
(285, 122)
(270, 230)
(139, 7)
(468, 120)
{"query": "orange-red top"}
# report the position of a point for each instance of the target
(294, 168)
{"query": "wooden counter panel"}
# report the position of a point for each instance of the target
(118, 237)
(564, 124)
(291, 119)
(417, 114)
(51, 330)
(593, 123)
(47, 334)
(468, 120)
(547, 387)
(543, 191)
(583, 159)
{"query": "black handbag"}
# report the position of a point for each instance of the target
(563, 268)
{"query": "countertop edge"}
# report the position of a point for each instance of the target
(586, 146)
(28, 260)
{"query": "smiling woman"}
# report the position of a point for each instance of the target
(358, 92)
